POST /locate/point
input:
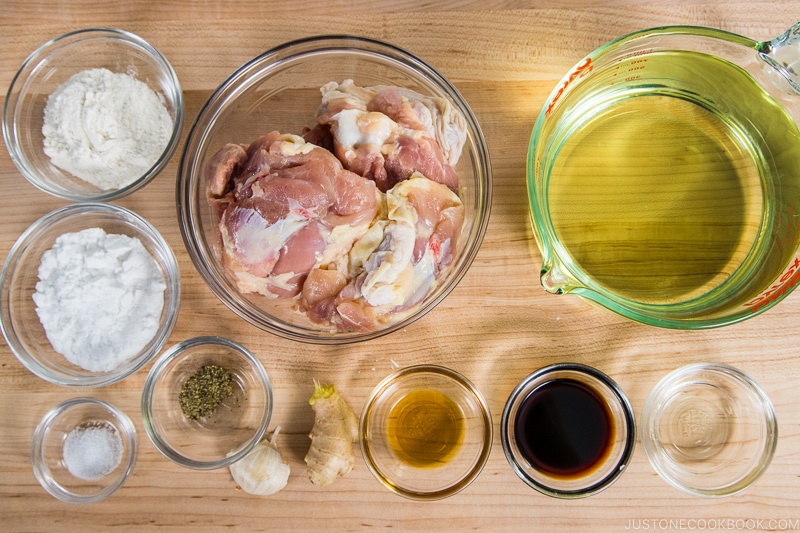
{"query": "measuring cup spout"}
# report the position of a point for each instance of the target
(555, 280)
(783, 54)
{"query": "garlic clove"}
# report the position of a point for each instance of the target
(262, 471)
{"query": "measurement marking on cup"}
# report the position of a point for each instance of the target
(789, 279)
(637, 53)
(580, 71)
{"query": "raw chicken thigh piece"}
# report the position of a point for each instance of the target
(396, 262)
(436, 213)
(218, 172)
(357, 220)
(436, 115)
(388, 133)
(279, 205)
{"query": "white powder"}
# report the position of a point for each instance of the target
(105, 128)
(92, 452)
(99, 298)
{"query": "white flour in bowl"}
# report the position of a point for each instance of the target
(99, 298)
(105, 128)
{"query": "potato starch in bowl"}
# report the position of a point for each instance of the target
(99, 298)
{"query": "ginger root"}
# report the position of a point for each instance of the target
(335, 429)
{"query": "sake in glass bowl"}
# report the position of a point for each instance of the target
(20, 324)
(53, 471)
(709, 429)
(49, 67)
(280, 91)
(214, 437)
(425, 432)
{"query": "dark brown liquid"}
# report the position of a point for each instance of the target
(564, 428)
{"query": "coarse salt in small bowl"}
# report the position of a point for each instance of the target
(130, 131)
(83, 450)
(21, 325)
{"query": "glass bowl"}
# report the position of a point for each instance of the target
(568, 430)
(708, 429)
(209, 437)
(79, 478)
(280, 90)
(49, 67)
(425, 432)
(19, 321)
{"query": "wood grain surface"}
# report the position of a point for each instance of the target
(497, 326)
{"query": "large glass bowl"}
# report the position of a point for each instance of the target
(53, 64)
(280, 90)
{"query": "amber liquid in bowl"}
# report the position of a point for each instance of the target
(425, 428)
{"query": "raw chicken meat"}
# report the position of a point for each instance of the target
(280, 203)
(388, 133)
(357, 219)
(395, 264)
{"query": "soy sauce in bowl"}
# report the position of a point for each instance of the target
(564, 428)
(568, 430)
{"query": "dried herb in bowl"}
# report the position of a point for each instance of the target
(204, 391)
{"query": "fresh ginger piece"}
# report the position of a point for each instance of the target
(335, 429)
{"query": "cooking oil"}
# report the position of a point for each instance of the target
(425, 428)
(662, 177)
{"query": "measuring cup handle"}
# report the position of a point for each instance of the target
(783, 54)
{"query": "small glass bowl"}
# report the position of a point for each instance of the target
(280, 90)
(54, 63)
(425, 462)
(709, 430)
(47, 450)
(19, 322)
(620, 431)
(232, 430)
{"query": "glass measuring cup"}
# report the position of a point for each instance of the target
(664, 176)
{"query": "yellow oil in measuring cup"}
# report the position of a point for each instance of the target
(664, 184)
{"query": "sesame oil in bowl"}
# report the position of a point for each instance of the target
(425, 428)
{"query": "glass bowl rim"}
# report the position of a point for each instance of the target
(74, 37)
(156, 373)
(253, 72)
(41, 470)
(475, 396)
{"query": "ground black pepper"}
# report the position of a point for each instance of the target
(204, 391)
